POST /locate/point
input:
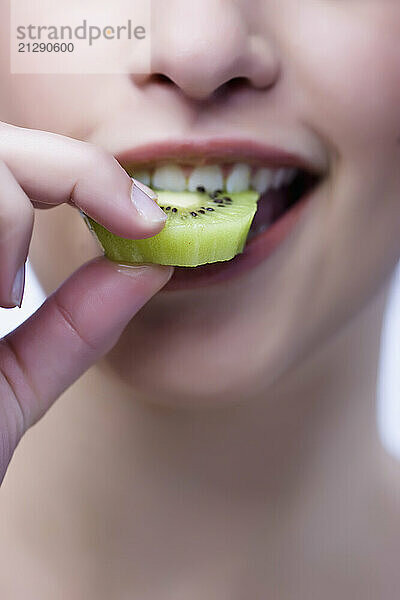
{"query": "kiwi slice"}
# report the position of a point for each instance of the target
(200, 229)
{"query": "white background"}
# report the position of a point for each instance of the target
(388, 405)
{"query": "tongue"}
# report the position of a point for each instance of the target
(270, 207)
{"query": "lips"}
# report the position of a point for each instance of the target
(202, 152)
(278, 209)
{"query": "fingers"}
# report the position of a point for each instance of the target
(53, 169)
(78, 324)
(16, 223)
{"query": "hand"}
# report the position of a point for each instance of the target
(85, 316)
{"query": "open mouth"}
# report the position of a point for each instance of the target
(284, 189)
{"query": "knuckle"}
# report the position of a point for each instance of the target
(14, 418)
(17, 386)
(96, 158)
(70, 323)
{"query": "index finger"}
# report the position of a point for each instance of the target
(54, 169)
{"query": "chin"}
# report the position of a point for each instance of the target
(173, 354)
(178, 389)
(201, 349)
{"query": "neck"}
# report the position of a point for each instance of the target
(220, 477)
(323, 409)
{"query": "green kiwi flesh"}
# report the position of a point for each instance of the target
(200, 229)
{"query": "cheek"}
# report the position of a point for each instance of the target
(351, 78)
(64, 104)
(350, 70)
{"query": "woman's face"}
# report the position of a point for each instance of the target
(319, 78)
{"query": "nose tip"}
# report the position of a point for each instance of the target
(200, 50)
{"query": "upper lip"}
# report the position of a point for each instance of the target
(218, 150)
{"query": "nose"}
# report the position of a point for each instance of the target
(199, 45)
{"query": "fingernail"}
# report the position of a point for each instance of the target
(18, 287)
(131, 269)
(145, 205)
(145, 188)
(135, 269)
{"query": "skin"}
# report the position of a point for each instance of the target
(283, 460)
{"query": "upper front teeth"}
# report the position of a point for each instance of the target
(210, 177)
(239, 178)
(169, 177)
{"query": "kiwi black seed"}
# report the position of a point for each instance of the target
(215, 197)
(196, 232)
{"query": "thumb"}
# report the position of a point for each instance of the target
(76, 325)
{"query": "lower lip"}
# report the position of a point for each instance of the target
(256, 251)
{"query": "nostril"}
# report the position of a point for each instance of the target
(233, 85)
(236, 84)
(161, 78)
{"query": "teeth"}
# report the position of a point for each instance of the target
(279, 178)
(290, 175)
(283, 176)
(239, 179)
(262, 180)
(209, 177)
(143, 176)
(169, 177)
